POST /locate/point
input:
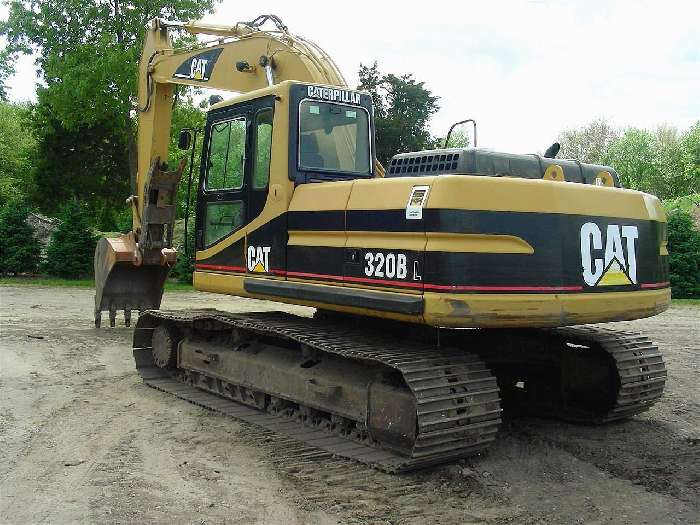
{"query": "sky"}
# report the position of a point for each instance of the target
(525, 70)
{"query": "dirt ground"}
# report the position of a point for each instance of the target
(83, 441)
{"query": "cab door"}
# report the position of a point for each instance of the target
(233, 180)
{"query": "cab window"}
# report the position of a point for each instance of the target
(221, 219)
(263, 148)
(333, 137)
(226, 155)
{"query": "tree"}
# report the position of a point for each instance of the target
(690, 160)
(19, 247)
(89, 164)
(636, 158)
(72, 246)
(88, 53)
(17, 151)
(459, 138)
(6, 71)
(88, 50)
(684, 254)
(589, 143)
(402, 109)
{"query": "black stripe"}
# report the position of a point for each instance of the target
(383, 301)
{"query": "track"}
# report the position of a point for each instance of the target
(639, 366)
(457, 402)
(589, 375)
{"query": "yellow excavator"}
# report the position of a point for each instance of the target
(446, 286)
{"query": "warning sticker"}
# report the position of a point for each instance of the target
(414, 207)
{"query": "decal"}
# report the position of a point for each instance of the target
(416, 201)
(416, 275)
(334, 95)
(198, 67)
(606, 260)
(258, 259)
(390, 265)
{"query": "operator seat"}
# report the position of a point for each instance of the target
(309, 154)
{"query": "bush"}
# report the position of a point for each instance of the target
(20, 250)
(72, 245)
(684, 255)
(184, 267)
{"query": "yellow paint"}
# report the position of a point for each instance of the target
(476, 243)
(317, 238)
(385, 194)
(321, 197)
(554, 172)
(387, 240)
(614, 276)
(541, 310)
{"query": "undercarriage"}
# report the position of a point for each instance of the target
(397, 397)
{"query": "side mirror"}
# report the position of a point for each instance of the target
(185, 140)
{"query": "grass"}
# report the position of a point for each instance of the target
(75, 283)
(691, 302)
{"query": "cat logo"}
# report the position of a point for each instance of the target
(259, 259)
(198, 69)
(612, 265)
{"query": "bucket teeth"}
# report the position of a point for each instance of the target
(113, 317)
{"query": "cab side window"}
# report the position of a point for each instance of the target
(226, 155)
(263, 148)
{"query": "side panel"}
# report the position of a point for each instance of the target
(548, 254)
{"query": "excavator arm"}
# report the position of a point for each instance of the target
(130, 270)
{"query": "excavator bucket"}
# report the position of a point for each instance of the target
(130, 275)
(121, 283)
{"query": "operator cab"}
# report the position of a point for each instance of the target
(328, 137)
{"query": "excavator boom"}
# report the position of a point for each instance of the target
(130, 271)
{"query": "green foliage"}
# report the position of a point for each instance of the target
(684, 255)
(636, 158)
(88, 50)
(589, 143)
(72, 245)
(19, 247)
(663, 162)
(459, 138)
(186, 116)
(402, 109)
(690, 159)
(89, 164)
(6, 71)
(184, 266)
(17, 151)
(687, 203)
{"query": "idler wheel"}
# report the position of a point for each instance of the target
(164, 347)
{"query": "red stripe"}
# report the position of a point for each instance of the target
(404, 284)
(220, 267)
(355, 279)
(656, 285)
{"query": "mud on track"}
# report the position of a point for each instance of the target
(82, 440)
